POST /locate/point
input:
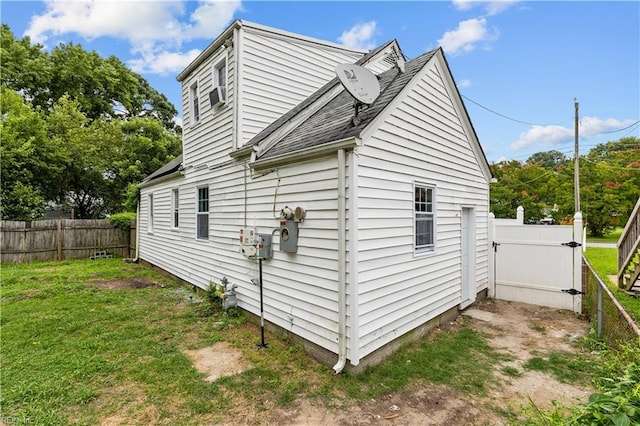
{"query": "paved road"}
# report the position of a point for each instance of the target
(605, 245)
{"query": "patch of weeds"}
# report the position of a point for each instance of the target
(538, 327)
(617, 400)
(564, 366)
(511, 371)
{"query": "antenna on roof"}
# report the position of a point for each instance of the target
(360, 83)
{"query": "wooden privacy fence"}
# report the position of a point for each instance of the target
(63, 239)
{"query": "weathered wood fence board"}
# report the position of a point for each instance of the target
(62, 239)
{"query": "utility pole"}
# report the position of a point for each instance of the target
(576, 166)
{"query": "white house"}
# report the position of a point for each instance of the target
(395, 234)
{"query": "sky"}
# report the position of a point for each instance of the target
(519, 65)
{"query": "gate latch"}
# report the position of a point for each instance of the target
(572, 244)
(572, 291)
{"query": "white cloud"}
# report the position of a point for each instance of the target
(156, 30)
(162, 62)
(553, 135)
(464, 83)
(491, 7)
(466, 37)
(360, 36)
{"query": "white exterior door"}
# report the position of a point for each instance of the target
(468, 257)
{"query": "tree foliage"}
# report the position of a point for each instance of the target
(543, 185)
(102, 87)
(77, 131)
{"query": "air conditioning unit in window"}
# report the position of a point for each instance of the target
(216, 96)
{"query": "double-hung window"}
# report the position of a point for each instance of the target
(175, 208)
(220, 77)
(195, 103)
(424, 218)
(202, 222)
(150, 213)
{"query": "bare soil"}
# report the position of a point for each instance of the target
(119, 284)
(519, 330)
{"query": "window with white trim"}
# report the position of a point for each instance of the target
(220, 76)
(424, 209)
(194, 103)
(175, 208)
(150, 213)
(202, 221)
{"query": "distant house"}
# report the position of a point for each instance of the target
(395, 233)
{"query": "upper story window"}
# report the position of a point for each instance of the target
(220, 76)
(194, 102)
(202, 220)
(425, 212)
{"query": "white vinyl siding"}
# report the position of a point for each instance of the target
(420, 139)
(202, 219)
(280, 73)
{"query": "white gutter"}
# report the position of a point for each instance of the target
(305, 154)
(342, 259)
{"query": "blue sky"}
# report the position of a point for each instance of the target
(519, 64)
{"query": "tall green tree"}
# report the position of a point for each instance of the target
(77, 130)
(26, 156)
(102, 87)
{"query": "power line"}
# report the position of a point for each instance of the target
(501, 115)
(619, 130)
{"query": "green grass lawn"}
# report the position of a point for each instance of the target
(611, 237)
(76, 351)
(605, 262)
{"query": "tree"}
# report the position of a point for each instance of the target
(104, 88)
(527, 185)
(77, 130)
(610, 184)
(549, 160)
(26, 158)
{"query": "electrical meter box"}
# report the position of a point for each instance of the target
(248, 236)
(248, 241)
(265, 249)
(289, 236)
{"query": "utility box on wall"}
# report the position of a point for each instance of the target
(289, 236)
(265, 249)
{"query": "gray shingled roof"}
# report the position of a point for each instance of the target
(334, 120)
(171, 167)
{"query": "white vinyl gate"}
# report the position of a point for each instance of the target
(538, 264)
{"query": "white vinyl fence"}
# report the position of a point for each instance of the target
(537, 264)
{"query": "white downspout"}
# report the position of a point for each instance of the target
(342, 260)
(135, 260)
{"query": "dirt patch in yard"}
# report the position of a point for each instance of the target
(133, 283)
(517, 330)
(217, 360)
(522, 332)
